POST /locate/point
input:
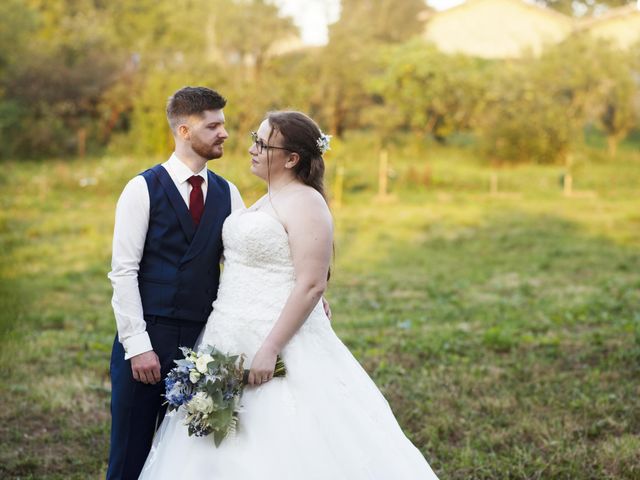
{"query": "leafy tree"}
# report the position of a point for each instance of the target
(582, 7)
(345, 65)
(382, 21)
(619, 111)
(53, 88)
(537, 108)
(350, 57)
(246, 31)
(429, 91)
(594, 82)
(17, 23)
(520, 121)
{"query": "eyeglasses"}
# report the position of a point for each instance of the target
(260, 145)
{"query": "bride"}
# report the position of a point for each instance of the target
(326, 419)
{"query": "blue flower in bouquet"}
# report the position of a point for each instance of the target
(178, 389)
(169, 383)
(208, 385)
(178, 396)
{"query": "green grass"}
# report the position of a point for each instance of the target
(504, 330)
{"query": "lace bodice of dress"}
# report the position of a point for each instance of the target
(255, 283)
(257, 240)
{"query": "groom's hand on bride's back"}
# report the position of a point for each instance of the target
(327, 308)
(146, 367)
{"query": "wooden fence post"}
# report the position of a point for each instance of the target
(338, 185)
(567, 184)
(383, 173)
(82, 142)
(493, 184)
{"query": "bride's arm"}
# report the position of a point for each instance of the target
(310, 230)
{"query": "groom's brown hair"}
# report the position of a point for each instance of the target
(192, 101)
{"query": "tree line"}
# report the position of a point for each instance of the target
(90, 75)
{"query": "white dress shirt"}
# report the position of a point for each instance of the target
(129, 235)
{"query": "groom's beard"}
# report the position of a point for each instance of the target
(205, 150)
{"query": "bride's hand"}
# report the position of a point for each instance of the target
(262, 366)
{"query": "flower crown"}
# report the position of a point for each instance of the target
(323, 143)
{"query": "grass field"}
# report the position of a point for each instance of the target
(503, 329)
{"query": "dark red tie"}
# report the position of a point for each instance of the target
(196, 198)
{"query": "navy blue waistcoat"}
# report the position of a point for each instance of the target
(180, 266)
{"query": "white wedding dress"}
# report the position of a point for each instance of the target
(326, 420)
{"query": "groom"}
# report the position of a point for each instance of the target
(166, 252)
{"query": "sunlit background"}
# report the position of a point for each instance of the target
(484, 180)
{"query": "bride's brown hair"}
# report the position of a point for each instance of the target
(300, 134)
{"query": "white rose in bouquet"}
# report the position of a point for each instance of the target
(202, 362)
(200, 403)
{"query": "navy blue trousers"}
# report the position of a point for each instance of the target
(136, 408)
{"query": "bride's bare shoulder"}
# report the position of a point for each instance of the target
(306, 203)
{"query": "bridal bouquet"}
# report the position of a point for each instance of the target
(209, 385)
